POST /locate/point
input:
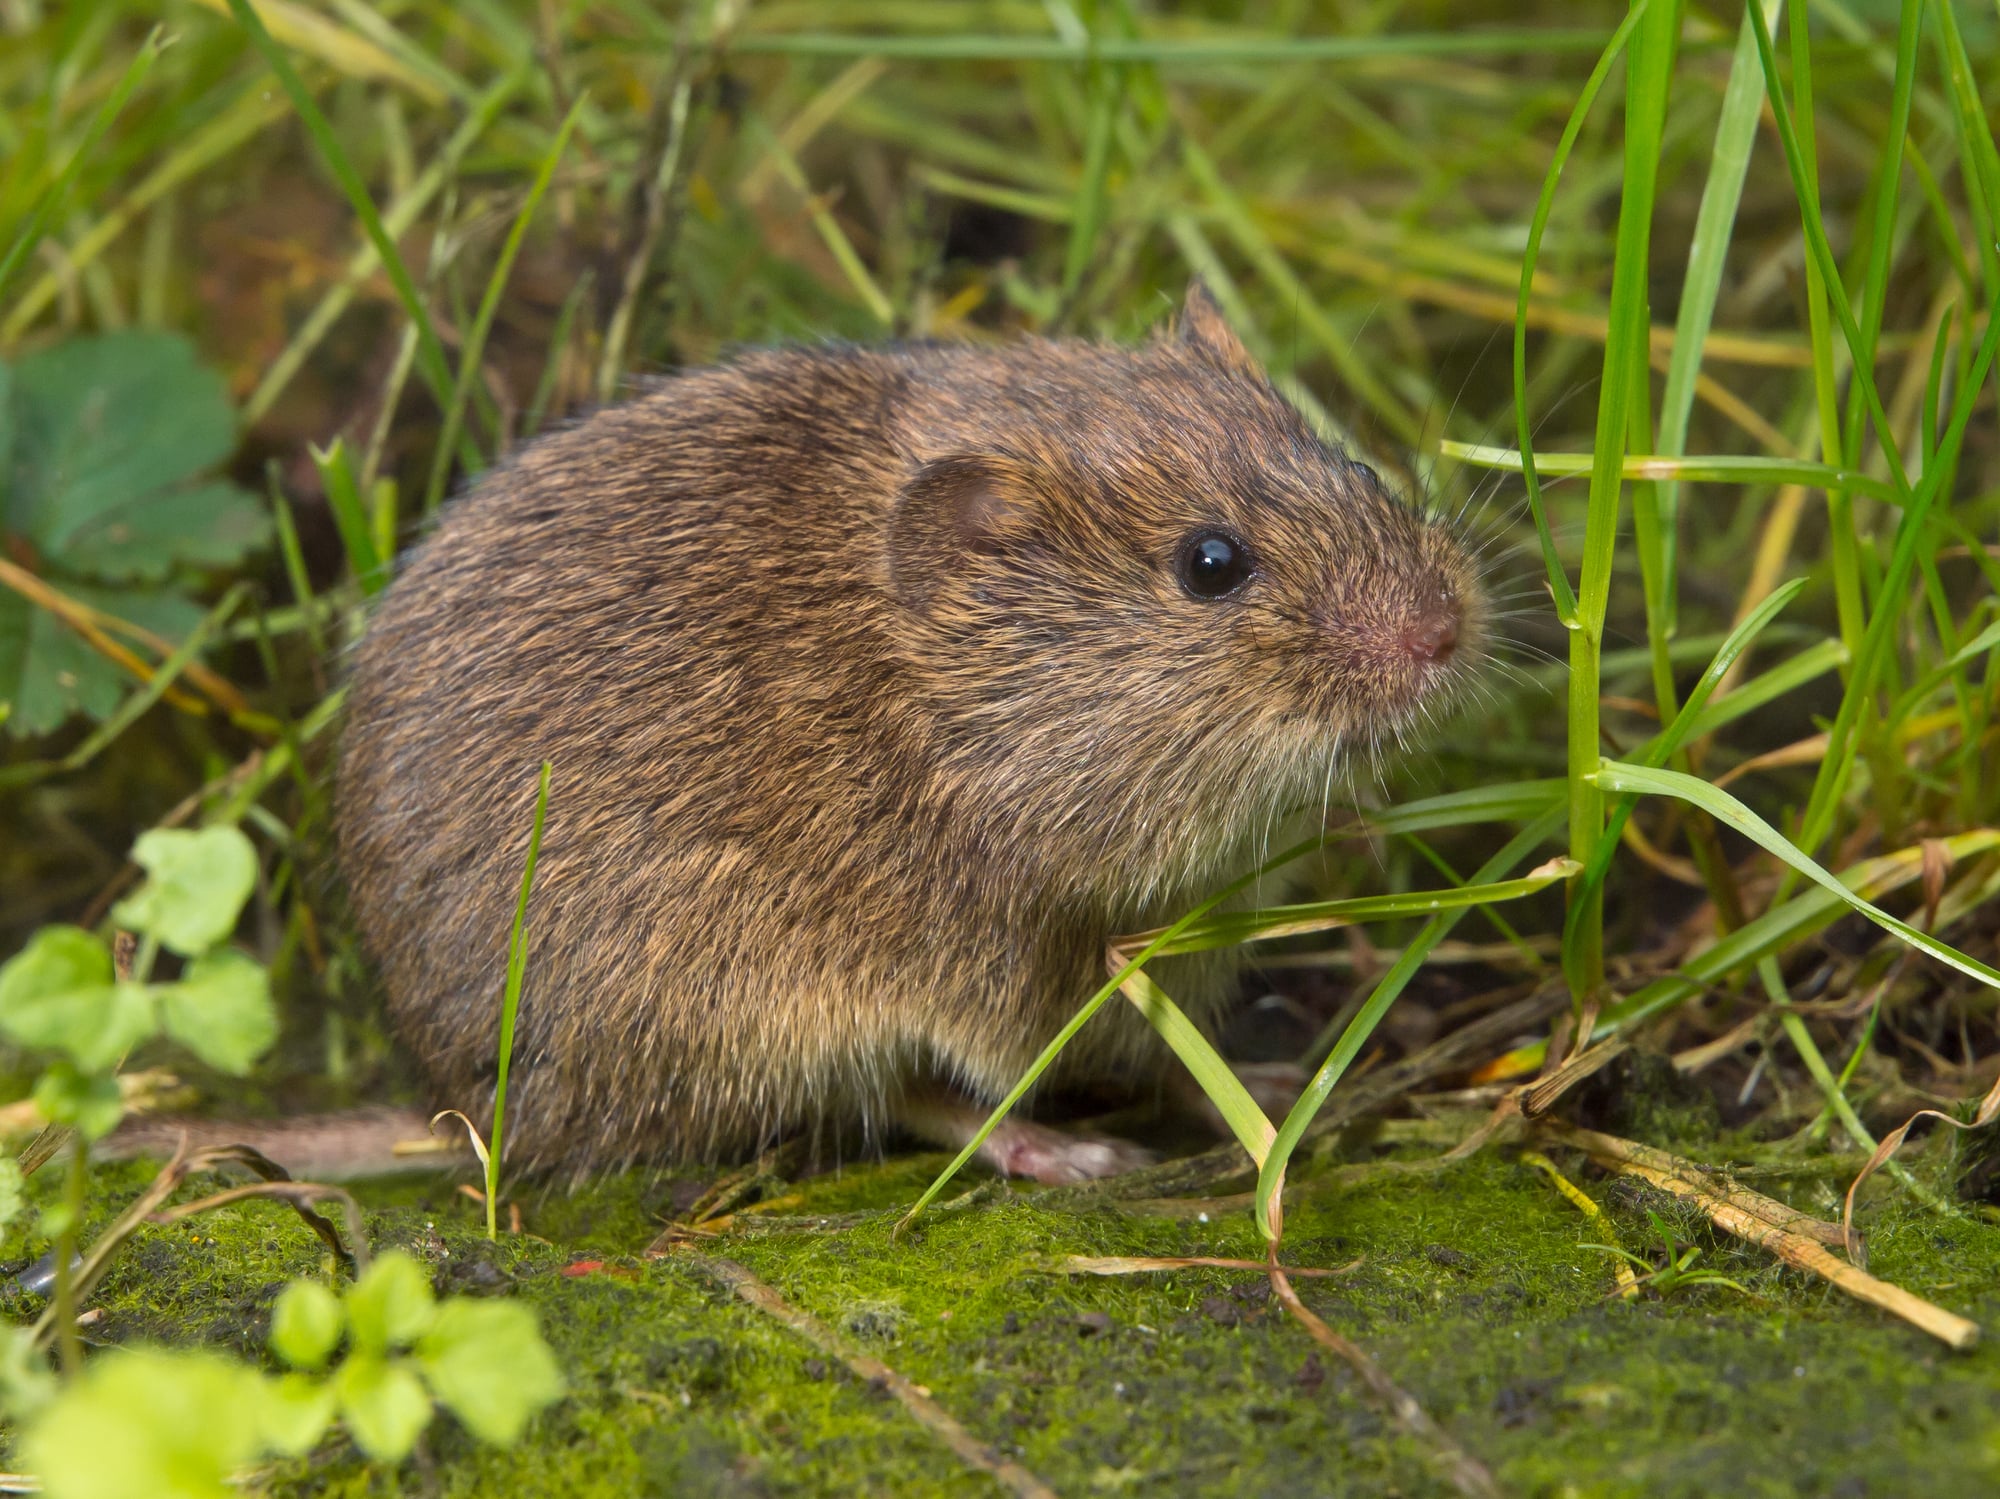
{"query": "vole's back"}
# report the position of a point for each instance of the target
(881, 688)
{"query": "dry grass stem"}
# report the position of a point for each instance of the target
(1798, 1240)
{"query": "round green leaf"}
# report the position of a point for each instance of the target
(221, 1010)
(384, 1404)
(293, 1413)
(487, 1363)
(166, 1425)
(58, 994)
(198, 882)
(305, 1324)
(89, 1103)
(391, 1305)
(57, 960)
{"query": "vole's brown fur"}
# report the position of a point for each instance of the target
(875, 707)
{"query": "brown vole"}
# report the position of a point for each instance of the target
(882, 686)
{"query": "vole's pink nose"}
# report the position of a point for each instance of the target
(1433, 636)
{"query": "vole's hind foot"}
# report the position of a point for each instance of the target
(1018, 1147)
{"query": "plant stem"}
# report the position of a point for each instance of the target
(510, 1005)
(65, 1249)
(1650, 66)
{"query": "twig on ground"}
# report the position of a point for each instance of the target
(1794, 1237)
(1465, 1472)
(1146, 1264)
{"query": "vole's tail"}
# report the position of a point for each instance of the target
(341, 1146)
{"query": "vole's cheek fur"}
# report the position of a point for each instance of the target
(829, 824)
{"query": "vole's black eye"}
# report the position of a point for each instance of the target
(1213, 564)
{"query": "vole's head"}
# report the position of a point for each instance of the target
(1146, 602)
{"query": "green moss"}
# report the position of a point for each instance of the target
(1474, 1291)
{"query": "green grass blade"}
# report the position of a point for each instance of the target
(1271, 1173)
(1622, 392)
(350, 516)
(1510, 801)
(473, 355)
(1237, 927)
(1614, 775)
(397, 219)
(1708, 468)
(58, 190)
(431, 360)
(1794, 672)
(1172, 52)
(1082, 1017)
(1783, 926)
(1677, 733)
(1253, 1130)
(510, 1002)
(1565, 597)
(1714, 227)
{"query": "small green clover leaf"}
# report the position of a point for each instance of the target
(306, 1324)
(384, 1404)
(166, 1425)
(58, 994)
(88, 1102)
(294, 1413)
(221, 1011)
(391, 1305)
(486, 1361)
(198, 882)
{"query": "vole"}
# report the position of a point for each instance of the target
(882, 686)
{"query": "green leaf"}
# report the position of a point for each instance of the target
(385, 1405)
(166, 1425)
(49, 672)
(1230, 928)
(306, 1324)
(27, 1384)
(1613, 775)
(391, 1305)
(1251, 1126)
(487, 1362)
(211, 525)
(197, 886)
(11, 1184)
(293, 1412)
(106, 426)
(221, 1011)
(89, 1103)
(58, 994)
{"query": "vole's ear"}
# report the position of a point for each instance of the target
(1202, 328)
(950, 513)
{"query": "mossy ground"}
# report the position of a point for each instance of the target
(1474, 1290)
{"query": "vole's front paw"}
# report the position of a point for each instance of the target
(1041, 1154)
